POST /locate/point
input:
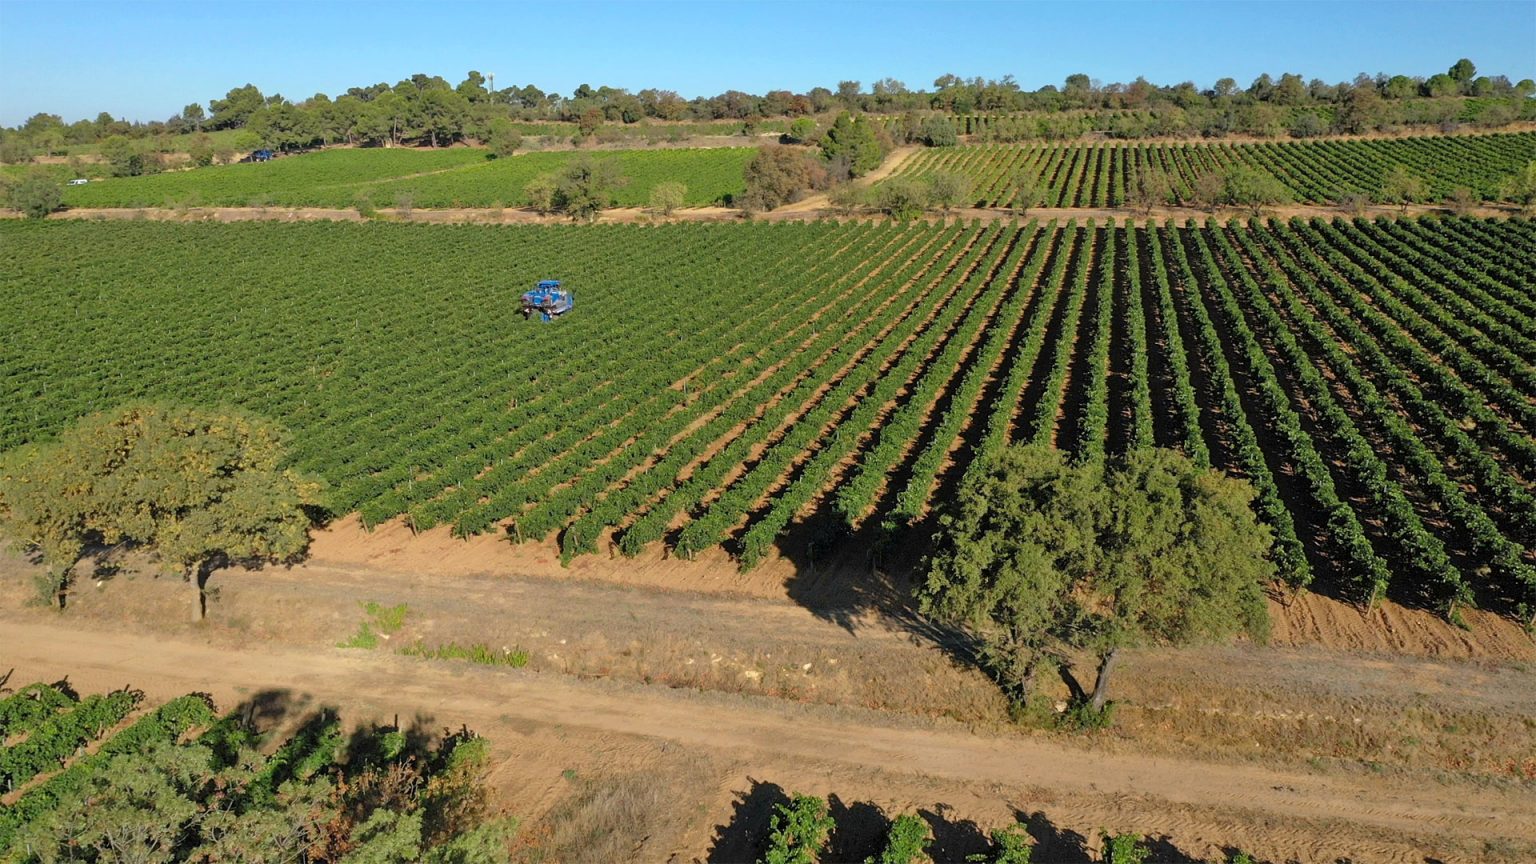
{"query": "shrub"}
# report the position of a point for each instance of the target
(36, 194)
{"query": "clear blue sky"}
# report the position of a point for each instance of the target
(145, 60)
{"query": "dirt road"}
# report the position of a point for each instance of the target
(762, 733)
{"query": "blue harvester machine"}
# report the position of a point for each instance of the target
(548, 300)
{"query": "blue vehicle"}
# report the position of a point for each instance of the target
(262, 155)
(548, 300)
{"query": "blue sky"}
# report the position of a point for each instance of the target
(145, 60)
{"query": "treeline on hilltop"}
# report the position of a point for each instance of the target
(429, 111)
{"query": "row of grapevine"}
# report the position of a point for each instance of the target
(720, 384)
(457, 177)
(1099, 175)
(180, 783)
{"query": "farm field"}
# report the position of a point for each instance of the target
(1316, 172)
(822, 379)
(456, 177)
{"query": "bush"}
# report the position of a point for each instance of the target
(801, 131)
(778, 175)
(1253, 189)
(666, 197)
(846, 198)
(1124, 849)
(940, 132)
(904, 841)
(36, 194)
(901, 198)
(540, 193)
(800, 829)
(947, 189)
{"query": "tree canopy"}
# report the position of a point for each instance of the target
(586, 187)
(200, 487)
(1038, 556)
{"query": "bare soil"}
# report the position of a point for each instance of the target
(728, 694)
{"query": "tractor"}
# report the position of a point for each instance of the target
(548, 300)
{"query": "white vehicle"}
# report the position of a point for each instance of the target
(79, 181)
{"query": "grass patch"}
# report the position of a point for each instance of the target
(479, 652)
(380, 622)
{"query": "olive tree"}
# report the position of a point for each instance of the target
(200, 488)
(1038, 556)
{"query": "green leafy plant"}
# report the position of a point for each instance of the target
(799, 831)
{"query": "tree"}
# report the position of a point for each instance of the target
(846, 198)
(202, 488)
(194, 115)
(126, 159)
(236, 107)
(1253, 189)
(1441, 85)
(1462, 201)
(778, 175)
(200, 150)
(504, 139)
(901, 198)
(1521, 187)
(540, 193)
(668, 196)
(587, 187)
(1037, 556)
(946, 189)
(1207, 191)
(1360, 110)
(1149, 189)
(1401, 186)
(853, 137)
(1026, 192)
(36, 194)
(1463, 71)
(939, 132)
(801, 130)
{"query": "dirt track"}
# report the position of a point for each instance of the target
(773, 738)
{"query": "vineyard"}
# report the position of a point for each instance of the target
(458, 177)
(725, 386)
(108, 774)
(1321, 172)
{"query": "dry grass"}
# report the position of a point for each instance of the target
(620, 817)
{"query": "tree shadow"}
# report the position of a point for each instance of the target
(859, 829)
(953, 840)
(1052, 843)
(270, 709)
(858, 832)
(744, 837)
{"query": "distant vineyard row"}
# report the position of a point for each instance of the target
(772, 387)
(460, 177)
(1318, 172)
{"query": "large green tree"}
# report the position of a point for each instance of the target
(202, 488)
(1038, 556)
(853, 139)
(587, 187)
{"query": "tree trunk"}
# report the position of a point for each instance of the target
(197, 575)
(1101, 684)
